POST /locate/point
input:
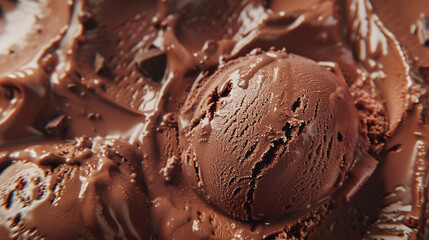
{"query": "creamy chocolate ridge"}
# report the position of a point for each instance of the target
(95, 98)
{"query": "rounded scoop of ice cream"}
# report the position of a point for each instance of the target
(86, 189)
(268, 134)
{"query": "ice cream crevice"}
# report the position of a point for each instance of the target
(250, 151)
(212, 104)
(339, 137)
(266, 160)
(296, 104)
(328, 150)
(235, 192)
(316, 109)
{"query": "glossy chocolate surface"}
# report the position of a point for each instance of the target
(92, 94)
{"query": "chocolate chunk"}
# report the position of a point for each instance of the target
(101, 67)
(56, 126)
(152, 64)
(423, 27)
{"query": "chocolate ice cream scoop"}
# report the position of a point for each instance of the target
(268, 134)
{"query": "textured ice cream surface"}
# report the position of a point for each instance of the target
(268, 134)
(120, 72)
(77, 190)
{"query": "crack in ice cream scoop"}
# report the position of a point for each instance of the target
(268, 134)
